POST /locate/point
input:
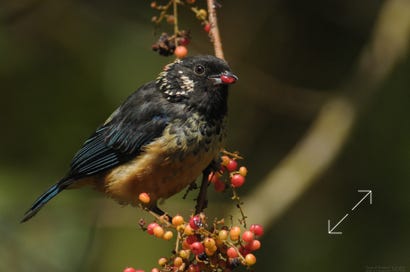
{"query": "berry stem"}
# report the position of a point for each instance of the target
(176, 29)
(239, 206)
(214, 32)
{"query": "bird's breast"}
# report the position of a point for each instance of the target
(169, 163)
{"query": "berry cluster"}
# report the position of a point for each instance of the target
(228, 174)
(204, 247)
(167, 44)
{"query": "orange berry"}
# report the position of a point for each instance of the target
(190, 1)
(150, 227)
(243, 171)
(184, 254)
(234, 233)
(250, 259)
(178, 261)
(144, 198)
(188, 230)
(223, 235)
(210, 251)
(171, 19)
(168, 235)
(155, 270)
(162, 261)
(177, 220)
(181, 51)
(209, 242)
(225, 160)
(158, 231)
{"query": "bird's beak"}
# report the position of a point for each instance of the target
(224, 78)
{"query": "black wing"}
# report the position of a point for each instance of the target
(135, 124)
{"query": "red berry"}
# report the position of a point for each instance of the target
(256, 229)
(237, 180)
(195, 222)
(254, 245)
(181, 51)
(232, 253)
(197, 248)
(248, 236)
(213, 177)
(191, 239)
(130, 269)
(228, 79)
(183, 41)
(232, 165)
(244, 251)
(194, 268)
(207, 27)
(150, 228)
(219, 186)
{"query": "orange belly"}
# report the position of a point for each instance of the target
(158, 173)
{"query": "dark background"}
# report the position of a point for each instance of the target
(65, 66)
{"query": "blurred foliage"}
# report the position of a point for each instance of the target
(65, 65)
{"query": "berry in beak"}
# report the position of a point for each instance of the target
(225, 78)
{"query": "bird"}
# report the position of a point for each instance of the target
(159, 140)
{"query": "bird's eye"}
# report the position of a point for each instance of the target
(199, 70)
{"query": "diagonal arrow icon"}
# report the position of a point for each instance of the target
(368, 193)
(331, 230)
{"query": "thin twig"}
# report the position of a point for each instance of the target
(214, 32)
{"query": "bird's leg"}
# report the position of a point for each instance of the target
(155, 209)
(202, 201)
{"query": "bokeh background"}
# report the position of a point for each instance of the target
(65, 65)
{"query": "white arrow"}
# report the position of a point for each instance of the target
(330, 230)
(369, 192)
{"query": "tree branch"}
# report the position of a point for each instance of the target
(214, 32)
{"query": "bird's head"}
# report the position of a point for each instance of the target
(200, 82)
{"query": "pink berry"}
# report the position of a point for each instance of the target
(248, 236)
(256, 229)
(130, 269)
(237, 180)
(195, 222)
(207, 27)
(254, 245)
(197, 248)
(231, 252)
(151, 227)
(180, 51)
(232, 165)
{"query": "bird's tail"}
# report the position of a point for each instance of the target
(43, 199)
